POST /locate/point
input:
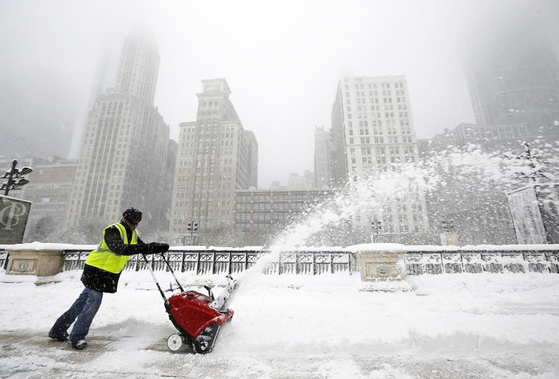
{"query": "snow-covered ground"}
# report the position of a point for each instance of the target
(450, 326)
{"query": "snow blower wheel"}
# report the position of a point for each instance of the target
(175, 342)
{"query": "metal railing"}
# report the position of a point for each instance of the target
(332, 260)
(206, 262)
(473, 261)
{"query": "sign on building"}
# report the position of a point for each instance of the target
(13, 219)
(535, 213)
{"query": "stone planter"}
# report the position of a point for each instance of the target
(382, 267)
(34, 262)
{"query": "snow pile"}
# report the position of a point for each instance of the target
(296, 316)
(325, 310)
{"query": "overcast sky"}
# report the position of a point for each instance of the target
(282, 59)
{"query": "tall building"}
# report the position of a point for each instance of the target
(125, 146)
(323, 160)
(372, 130)
(513, 77)
(216, 157)
(139, 65)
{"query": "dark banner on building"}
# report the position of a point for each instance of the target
(535, 213)
(13, 219)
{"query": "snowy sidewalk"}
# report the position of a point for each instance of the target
(451, 326)
(34, 356)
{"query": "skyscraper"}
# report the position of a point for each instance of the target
(216, 156)
(323, 164)
(372, 130)
(139, 65)
(125, 144)
(513, 77)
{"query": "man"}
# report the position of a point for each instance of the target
(101, 273)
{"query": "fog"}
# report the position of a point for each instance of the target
(282, 60)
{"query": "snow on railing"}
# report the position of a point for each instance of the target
(426, 262)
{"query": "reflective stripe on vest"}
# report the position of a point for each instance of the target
(105, 259)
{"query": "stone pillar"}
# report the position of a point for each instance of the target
(382, 267)
(34, 262)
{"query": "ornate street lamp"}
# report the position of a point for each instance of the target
(376, 226)
(192, 228)
(13, 175)
(449, 236)
(447, 226)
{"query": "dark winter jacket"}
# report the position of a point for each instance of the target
(104, 281)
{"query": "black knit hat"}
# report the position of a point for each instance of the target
(133, 215)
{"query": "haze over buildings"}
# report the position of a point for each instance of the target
(484, 71)
(301, 48)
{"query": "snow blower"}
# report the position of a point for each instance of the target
(196, 316)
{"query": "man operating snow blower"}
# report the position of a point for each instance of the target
(101, 273)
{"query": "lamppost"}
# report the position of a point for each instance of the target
(448, 226)
(13, 174)
(376, 226)
(448, 237)
(192, 228)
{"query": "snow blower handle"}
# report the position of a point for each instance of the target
(172, 272)
(154, 278)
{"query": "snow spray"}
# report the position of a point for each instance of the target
(367, 194)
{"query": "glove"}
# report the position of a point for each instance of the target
(156, 248)
(163, 247)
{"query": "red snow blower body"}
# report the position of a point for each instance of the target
(192, 314)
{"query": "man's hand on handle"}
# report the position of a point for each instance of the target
(157, 248)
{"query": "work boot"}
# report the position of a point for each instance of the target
(58, 335)
(80, 344)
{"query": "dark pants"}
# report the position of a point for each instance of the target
(84, 309)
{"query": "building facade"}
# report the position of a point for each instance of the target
(125, 149)
(271, 210)
(485, 135)
(373, 131)
(216, 156)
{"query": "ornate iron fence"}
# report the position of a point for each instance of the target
(470, 261)
(213, 261)
(204, 262)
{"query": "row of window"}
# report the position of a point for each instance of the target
(277, 198)
(404, 123)
(379, 140)
(385, 85)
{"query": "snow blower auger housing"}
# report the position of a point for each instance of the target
(197, 321)
(197, 317)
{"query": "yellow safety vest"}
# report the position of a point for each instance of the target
(105, 259)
